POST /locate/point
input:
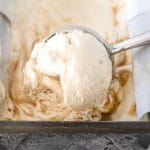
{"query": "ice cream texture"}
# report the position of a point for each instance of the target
(81, 63)
(44, 91)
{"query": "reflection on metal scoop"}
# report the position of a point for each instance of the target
(134, 42)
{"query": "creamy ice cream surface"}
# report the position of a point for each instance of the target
(71, 76)
(79, 61)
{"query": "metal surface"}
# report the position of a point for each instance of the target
(75, 127)
(134, 42)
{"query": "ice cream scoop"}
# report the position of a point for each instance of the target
(83, 62)
(79, 62)
(134, 42)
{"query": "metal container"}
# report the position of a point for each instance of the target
(75, 127)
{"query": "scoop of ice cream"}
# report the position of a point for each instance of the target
(81, 63)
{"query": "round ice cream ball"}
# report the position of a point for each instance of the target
(82, 64)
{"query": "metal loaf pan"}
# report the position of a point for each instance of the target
(75, 127)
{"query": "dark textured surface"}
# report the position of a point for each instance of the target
(75, 127)
(84, 141)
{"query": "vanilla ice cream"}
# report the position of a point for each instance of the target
(81, 63)
(70, 77)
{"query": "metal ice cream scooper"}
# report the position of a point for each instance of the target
(134, 42)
